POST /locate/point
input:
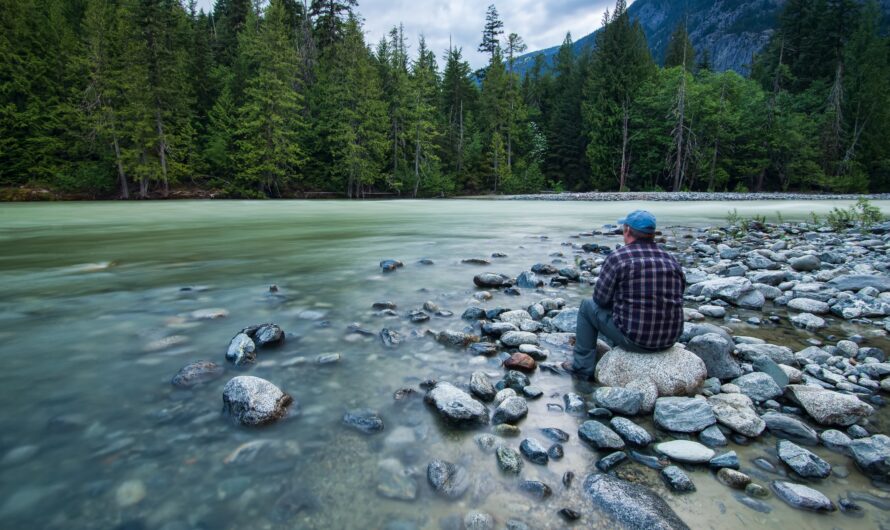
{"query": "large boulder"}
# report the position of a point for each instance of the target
(631, 506)
(252, 401)
(828, 407)
(673, 372)
(456, 406)
(716, 352)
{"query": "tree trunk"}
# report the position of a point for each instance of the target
(460, 143)
(622, 176)
(713, 168)
(125, 190)
(417, 161)
(162, 151)
(510, 140)
(681, 127)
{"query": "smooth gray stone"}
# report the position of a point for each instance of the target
(771, 368)
(805, 463)
(685, 451)
(609, 462)
(758, 386)
(713, 437)
(599, 436)
(456, 406)
(631, 432)
(677, 480)
(872, 455)
(534, 451)
(716, 352)
(625, 401)
(802, 497)
(631, 506)
(680, 414)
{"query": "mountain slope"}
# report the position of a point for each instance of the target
(731, 30)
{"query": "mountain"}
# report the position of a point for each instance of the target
(731, 30)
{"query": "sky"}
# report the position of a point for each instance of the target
(541, 23)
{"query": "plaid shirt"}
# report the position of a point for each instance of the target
(643, 285)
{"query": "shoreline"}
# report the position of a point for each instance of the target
(692, 196)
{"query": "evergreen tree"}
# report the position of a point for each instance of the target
(496, 116)
(494, 27)
(565, 137)
(459, 99)
(330, 18)
(679, 49)
(425, 122)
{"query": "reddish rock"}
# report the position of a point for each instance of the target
(521, 362)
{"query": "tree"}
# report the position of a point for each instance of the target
(679, 49)
(564, 132)
(493, 28)
(330, 18)
(515, 47)
(495, 111)
(459, 99)
(425, 93)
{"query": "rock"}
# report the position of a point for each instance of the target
(196, 373)
(713, 311)
(599, 436)
(556, 451)
(390, 338)
(857, 282)
(685, 451)
(574, 403)
(756, 490)
(456, 406)
(508, 460)
(503, 394)
(566, 320)
(448, 480)
(455, 339)
(768, 366)
(19, 455)
(694, 330)
(758, 386)
(478, 521)
(611, 461)
(677, 480)
(394, 481)
(713, 436)
(680, 414)
(515, 338)
(835, 440)
(872, 455)
(535, 489)
(569, 514)
(828, 407)
(630, 432)
(557, 435)
(733, 478)
(516, 380)
(736, 411)
(481, 387)
(265, 335)
(328, 358)
(716, 352)
(534, 451)
(735, 290)
(516, 317)
(631, 506)
(521, 362)
(129, 493)
(758, 262)
(620, 368)
(511, 410)
(619, 400)
(241, 351)
(253, 401)
(805, 263)
(779, 354)
(728, 460)
(805, 463)
(808, 321)
(803, 497)
(389, 265)
(808, 305)
(490, 279)
(529, 280)
(364, 420)
(790, 428)
(536, 353)
(473, 313)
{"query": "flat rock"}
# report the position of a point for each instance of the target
(366, 421)
(252, 401)
(196, 373)
(681, 414)
(677, 480)
(808, 305)
(491, 279)
(599, 436)
(736, 411)
(515, 338)
(685, 451)
(675, 372)
(630, 432)
(872, 455)
(758, 386)
(456, 406)
(481, 387)
(802, 497)
(805, 463)
(779, 354)
(828, 407)
(790, 428)
(631, 506)
(624, 401)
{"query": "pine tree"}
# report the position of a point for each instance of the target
(330, 17)
(565, 137)
(496, 116)
(679, 49)
(459, 99)
(425, 94)
(494, 27)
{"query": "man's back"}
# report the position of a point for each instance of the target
(644, 286)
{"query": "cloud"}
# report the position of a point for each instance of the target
(541, 23)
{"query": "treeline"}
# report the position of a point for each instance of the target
(133, 98)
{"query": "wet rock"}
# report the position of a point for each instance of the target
(535, 489)
(252, 401)
(790, 428)
(556, 451)
(736, 411)
(394, 481)
(802, 497)
(418, 317)
(685, 451)
(534, 451)
(758, 386)
(620, 368)
(448, 480)
(872, 455)
(653, 462)
(680, 414)
(380, 306)
(366, 421)
(694, 330)
(569, 514)
(503, 394)
(490, 279)
(619, 400)
(779, 354)
(529, 280)
(18, 455)
(478, 521)
(557, 435)
(857, 282)
(713, 311)
(515, 338)
(716, 352)
(483, 348)
(265, 335)
(521, 362)
(631, 505)
(473, 314)
(389, 265)
(130, 493)
(241, 351)
(803, 462)
(456, 406)
(630, 432)
(475, 261)
(516, 380)
(677, 480)
(196, 373)
(733, 478)
(611, 461)
(508, 460)
(390, 338)
(828, 407)
(566, 320)
(599, 436)
(713, 437)
(328, 358)
(835, 440)
(455, 339)
(486, 442)
(574, 403)
(757, 491)
(808, 305)
(728, 460)
(481, 387)
(536, 353)
(511, 410)
(754, 504)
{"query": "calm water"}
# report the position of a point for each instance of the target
(94, 322)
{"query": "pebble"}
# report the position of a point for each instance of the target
(129, 493)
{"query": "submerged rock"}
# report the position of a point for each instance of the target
(508, 460)
(599, 436)
(456, 406)
(265, 335)
(196, 373)
(805, 463)
(241, 351)
(803, 497)
(677, 480)
(252, 401)
(872, 455)
(790, 428)
(510, 410)
(632, 506)
(448, 480)
(491, 279)
(534, 451)
(364, 420)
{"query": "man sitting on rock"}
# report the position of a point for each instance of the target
(638, 300)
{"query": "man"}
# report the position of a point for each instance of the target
(637, 302)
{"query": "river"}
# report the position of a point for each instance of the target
(102, 303)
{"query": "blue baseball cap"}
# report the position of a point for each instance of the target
(639, 220)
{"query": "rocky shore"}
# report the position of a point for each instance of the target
(675, 412)
(695, 196)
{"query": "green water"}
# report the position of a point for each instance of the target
(94, 322)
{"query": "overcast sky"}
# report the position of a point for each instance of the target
(541, 23)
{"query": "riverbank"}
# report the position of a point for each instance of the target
(695, 196)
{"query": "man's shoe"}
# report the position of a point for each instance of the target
(570, 368)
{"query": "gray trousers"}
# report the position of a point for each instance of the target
(593, 320)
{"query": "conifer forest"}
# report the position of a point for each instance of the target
(285, 98)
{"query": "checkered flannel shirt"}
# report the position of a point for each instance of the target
(643, 285)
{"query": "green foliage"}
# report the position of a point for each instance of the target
(863, 213)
